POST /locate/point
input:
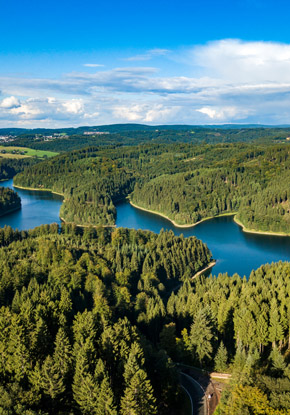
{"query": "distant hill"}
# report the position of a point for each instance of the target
(120, 128)
(66, 139)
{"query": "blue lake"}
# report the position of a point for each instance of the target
(37, 209)
(234, 250)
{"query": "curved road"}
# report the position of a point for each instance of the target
(196, 393)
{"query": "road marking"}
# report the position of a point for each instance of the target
(191, 403)
(195, 381)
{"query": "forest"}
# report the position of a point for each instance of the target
(9, 201)
(90, 316)
(80, 317)
(185, 182)
(10, 167)
(67, 139)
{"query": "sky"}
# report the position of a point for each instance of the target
(71, 63)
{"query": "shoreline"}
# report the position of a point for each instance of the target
(210, 265)
(87, 226)
(37, 189)
(234, 214)
(62, 219)
(270, 233)
(176, 224)
(244, 229)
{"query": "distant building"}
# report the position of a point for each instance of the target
(95, 132)
(7, 138)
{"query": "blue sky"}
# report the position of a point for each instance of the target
(70, 63)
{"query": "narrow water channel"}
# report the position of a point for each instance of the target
(234, 250)
(38, 208)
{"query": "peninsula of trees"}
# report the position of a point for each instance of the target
(185, 182)
(9, 201)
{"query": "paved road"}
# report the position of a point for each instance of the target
(196, 393)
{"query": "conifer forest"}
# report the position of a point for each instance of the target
(100, 320)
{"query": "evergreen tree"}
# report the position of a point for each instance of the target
(275, 329)
(201, 335)
(138, 397)
(106, 404)
(221, 358)
(52, 381)
(134, 363)
(278, 362)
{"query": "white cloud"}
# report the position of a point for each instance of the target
(92, 115)
(240, 61)
(26, 111)
(10, 102)
(157, 113)
(222, 81)
(74, 106)
(129, 113)
(150, 54)
(223, 113)
(93, 65)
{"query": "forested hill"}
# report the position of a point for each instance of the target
(62, 140)
(185, 182)
(80, 318)
(9, 201)
(10, 167)
(91, 324)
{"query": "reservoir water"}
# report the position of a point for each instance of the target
(37, 209)
(233, 249)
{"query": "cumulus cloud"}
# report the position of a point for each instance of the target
(240, 61)
(223, 81)
(74, 106)
(224, 113)
(10, 102)
(44, 110)
(157, 113)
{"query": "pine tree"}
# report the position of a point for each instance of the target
(62, 353)
(134, 363)
(201, 335)
(168, 339)
(106, 404)
(275, 329)
(51, 379)
(262, 331)
(221, 358)
(278, 362)
(85, 388)
(138, 397)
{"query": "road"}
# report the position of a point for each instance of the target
(196, 393)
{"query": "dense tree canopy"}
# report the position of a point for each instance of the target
(89, 317)
(80, 318)
(9, 201)
(185, 182)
